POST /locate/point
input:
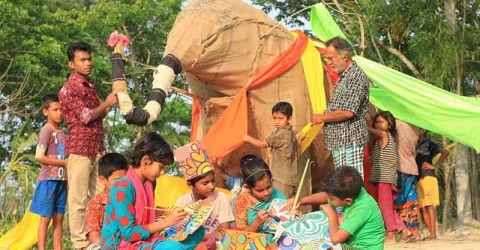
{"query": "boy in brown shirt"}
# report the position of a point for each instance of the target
(284, 148)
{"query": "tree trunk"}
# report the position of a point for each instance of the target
(447, 197)
(464, 208)
(475, 184)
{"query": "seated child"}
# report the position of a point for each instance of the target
(362, 227)
(285, 149)
(129, 221)
(50, 196)
(202, 187)
(111, 167)
(259, 193)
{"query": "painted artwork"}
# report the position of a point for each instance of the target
(309, 230)
(193, 160)
(235, 239)
(198, 213)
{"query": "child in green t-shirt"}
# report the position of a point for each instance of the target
(362, 226)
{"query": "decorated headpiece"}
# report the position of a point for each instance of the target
(193, 160)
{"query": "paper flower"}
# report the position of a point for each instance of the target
(116, 37)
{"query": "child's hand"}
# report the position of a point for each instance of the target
(175, 217)
(427, 165)
(262, 216)
(301, 137)
(327, 208)
(290, 204)
(246, 138)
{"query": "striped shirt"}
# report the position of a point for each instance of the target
(384, 162)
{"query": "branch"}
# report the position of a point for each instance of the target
(403, 58)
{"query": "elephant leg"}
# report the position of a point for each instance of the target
(163, 77)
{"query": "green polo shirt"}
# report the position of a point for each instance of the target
(363, 221)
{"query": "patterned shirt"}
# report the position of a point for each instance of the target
(51, 144)
(426, 150)
(350, 94)
(406, 142)
(120, 222)
(283, 146)
(95, 212)
(78, 98)
(384, 162)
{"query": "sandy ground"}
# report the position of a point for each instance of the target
(460, 239)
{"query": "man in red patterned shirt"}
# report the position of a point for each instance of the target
(83, 113)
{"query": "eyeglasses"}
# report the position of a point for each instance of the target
(329, 58)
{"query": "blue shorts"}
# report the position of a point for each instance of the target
(50, 197)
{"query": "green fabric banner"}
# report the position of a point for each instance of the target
(410, 99)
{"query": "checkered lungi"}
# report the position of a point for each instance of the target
(350, 156)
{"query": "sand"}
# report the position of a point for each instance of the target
(460, 239)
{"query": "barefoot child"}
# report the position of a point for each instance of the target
(203, 186)
(384, 174)
(129, 224)
(428, 196)
(362, 227)
(111, 167)
(50, 195)
(285, 149)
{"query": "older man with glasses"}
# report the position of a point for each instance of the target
(345, 125)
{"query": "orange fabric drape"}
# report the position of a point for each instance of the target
(196, 110)
(226, 134)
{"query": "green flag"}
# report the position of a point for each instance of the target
(410, 99)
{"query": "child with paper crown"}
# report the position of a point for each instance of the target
(199, 174)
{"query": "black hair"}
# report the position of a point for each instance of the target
(47, 99)
(246, 158)
(110, 163)
(344, 182)
(78, 46)
(152, 145)
(390, 120)
(255, 170)
(341, 46)
(283, 108)
(198, 178)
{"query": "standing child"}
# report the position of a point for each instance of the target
(111, 167)
(50, 195)
(284, 149)
(428, 196)
(129, 224)
(384, 174)
(362, 227)
(257, 179)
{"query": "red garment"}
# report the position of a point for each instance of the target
(78, 98)
(95, 212)
(387, 193)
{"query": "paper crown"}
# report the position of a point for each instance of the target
(193, 160)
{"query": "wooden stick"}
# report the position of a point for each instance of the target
(185, 93)
(295, 201)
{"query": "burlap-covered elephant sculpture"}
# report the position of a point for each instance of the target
(221, 46)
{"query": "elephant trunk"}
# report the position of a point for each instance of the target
(163, 77)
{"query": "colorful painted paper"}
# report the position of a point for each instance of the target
(193, 160)
(279, 208)
(198, 213)
(309, 230)
(235, 239)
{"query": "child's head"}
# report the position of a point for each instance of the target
(246, 158)
(150, 154)
(80, 58)
(51, 108)
(282, 114)
(111, 166)
(385, 121)
(203, 185)
(342, 186)
(257, 178)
